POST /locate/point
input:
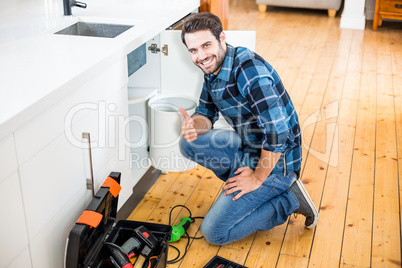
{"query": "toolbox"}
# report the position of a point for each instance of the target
(219, 262)
(97, 241)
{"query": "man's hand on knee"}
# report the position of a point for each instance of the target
(245, 182)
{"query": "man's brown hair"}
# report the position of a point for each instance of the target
(202, 21)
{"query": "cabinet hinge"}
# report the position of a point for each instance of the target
(155, 49)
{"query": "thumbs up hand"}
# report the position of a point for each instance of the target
(187, 127)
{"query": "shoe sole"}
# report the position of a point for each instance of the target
(310, 203)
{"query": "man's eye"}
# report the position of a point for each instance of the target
(206, 45)
(192, 51)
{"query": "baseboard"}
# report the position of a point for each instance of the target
(139, 191)
(358, 23)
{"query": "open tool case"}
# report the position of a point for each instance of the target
(88, 239)
(219, 262)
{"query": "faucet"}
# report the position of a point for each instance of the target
(67, 4)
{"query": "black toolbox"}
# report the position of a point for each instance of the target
(219, 262)
(89, 240)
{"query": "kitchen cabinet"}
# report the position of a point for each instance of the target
(61, 162)
(13, 231)
(58, 167)
(172, 73)
(47, 248)
(53, 170)
(8, 158)
(23, 260)
(66, 85)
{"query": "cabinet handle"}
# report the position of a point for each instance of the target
(398, 5)
(90, 181)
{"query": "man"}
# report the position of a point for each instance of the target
(260, 160)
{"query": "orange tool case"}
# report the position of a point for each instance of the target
(87, 244)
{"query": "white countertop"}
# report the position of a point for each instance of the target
(38, 68)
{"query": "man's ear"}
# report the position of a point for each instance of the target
(222, 37)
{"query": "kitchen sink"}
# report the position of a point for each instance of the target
(95, 29)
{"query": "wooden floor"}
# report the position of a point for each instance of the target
(346, 86)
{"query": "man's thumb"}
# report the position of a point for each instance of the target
(184, 114)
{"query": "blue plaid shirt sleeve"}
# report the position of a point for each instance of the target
(206, 106)
(258, 86)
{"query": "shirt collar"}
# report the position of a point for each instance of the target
(224, 73)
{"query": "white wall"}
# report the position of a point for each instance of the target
(353, 16)
(370, 7)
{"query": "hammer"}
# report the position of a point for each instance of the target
(150, 241)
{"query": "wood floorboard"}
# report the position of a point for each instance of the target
(396, 56)
(328, 238)
(346, 86)
(356, 249)
(386, 229)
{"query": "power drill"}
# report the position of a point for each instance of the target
(179, 229)
(118, 258)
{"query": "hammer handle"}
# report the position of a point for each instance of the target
(140, 262)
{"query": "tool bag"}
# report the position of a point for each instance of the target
(95, 230)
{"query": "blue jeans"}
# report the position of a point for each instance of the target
(259, 210)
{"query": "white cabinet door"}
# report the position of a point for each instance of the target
(8, 158)
(53, 122)
(13, 231)
(106, 124)
(178, 72)
(179, 75)
(173, 73)
(49, 181)
(54, 170)
(23, 259)
(48, 247)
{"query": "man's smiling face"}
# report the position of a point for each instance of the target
(206, 51)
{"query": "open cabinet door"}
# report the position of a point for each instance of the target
(179, 75)
(182, 80)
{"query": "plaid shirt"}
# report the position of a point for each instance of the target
(250, 95)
